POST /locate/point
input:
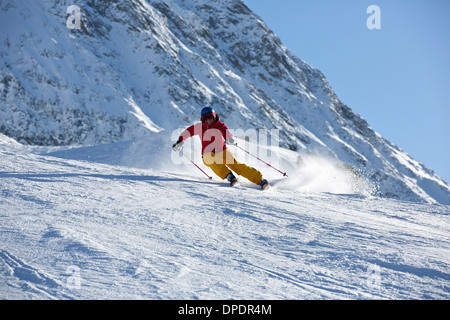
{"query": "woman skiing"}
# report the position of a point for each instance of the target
(215, 136)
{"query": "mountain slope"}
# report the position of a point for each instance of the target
(74, 229)
(136, 68)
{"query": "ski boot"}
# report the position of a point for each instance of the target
(264, 184)
(232, 179)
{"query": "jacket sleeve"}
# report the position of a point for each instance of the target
(225, 132)
(193, 130)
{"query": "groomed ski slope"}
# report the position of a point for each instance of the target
(74, 228)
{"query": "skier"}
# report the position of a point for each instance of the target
(215, 136)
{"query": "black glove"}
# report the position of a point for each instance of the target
(177, 145)
(229, 141)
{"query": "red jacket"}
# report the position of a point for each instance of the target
(212, 137)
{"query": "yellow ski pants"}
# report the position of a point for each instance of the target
(222, 162)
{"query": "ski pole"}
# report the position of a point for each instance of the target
(181, 152)
(283, 173)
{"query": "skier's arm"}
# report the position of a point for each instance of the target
(189, 132)
(193, 130)
(227, 134)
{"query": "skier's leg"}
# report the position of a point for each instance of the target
(241, 169)
(219, 167)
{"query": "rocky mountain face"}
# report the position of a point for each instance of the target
(129, 68)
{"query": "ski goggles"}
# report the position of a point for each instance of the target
(207, 117)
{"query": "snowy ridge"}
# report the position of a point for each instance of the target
(77, 225)
(140, 67)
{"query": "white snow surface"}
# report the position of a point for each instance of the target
(128, 220)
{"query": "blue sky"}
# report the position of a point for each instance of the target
(396, 77)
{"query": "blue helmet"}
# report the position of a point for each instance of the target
(207, 110)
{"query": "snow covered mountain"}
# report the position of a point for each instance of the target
(137, 68)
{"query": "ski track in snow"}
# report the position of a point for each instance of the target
(74, 229)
